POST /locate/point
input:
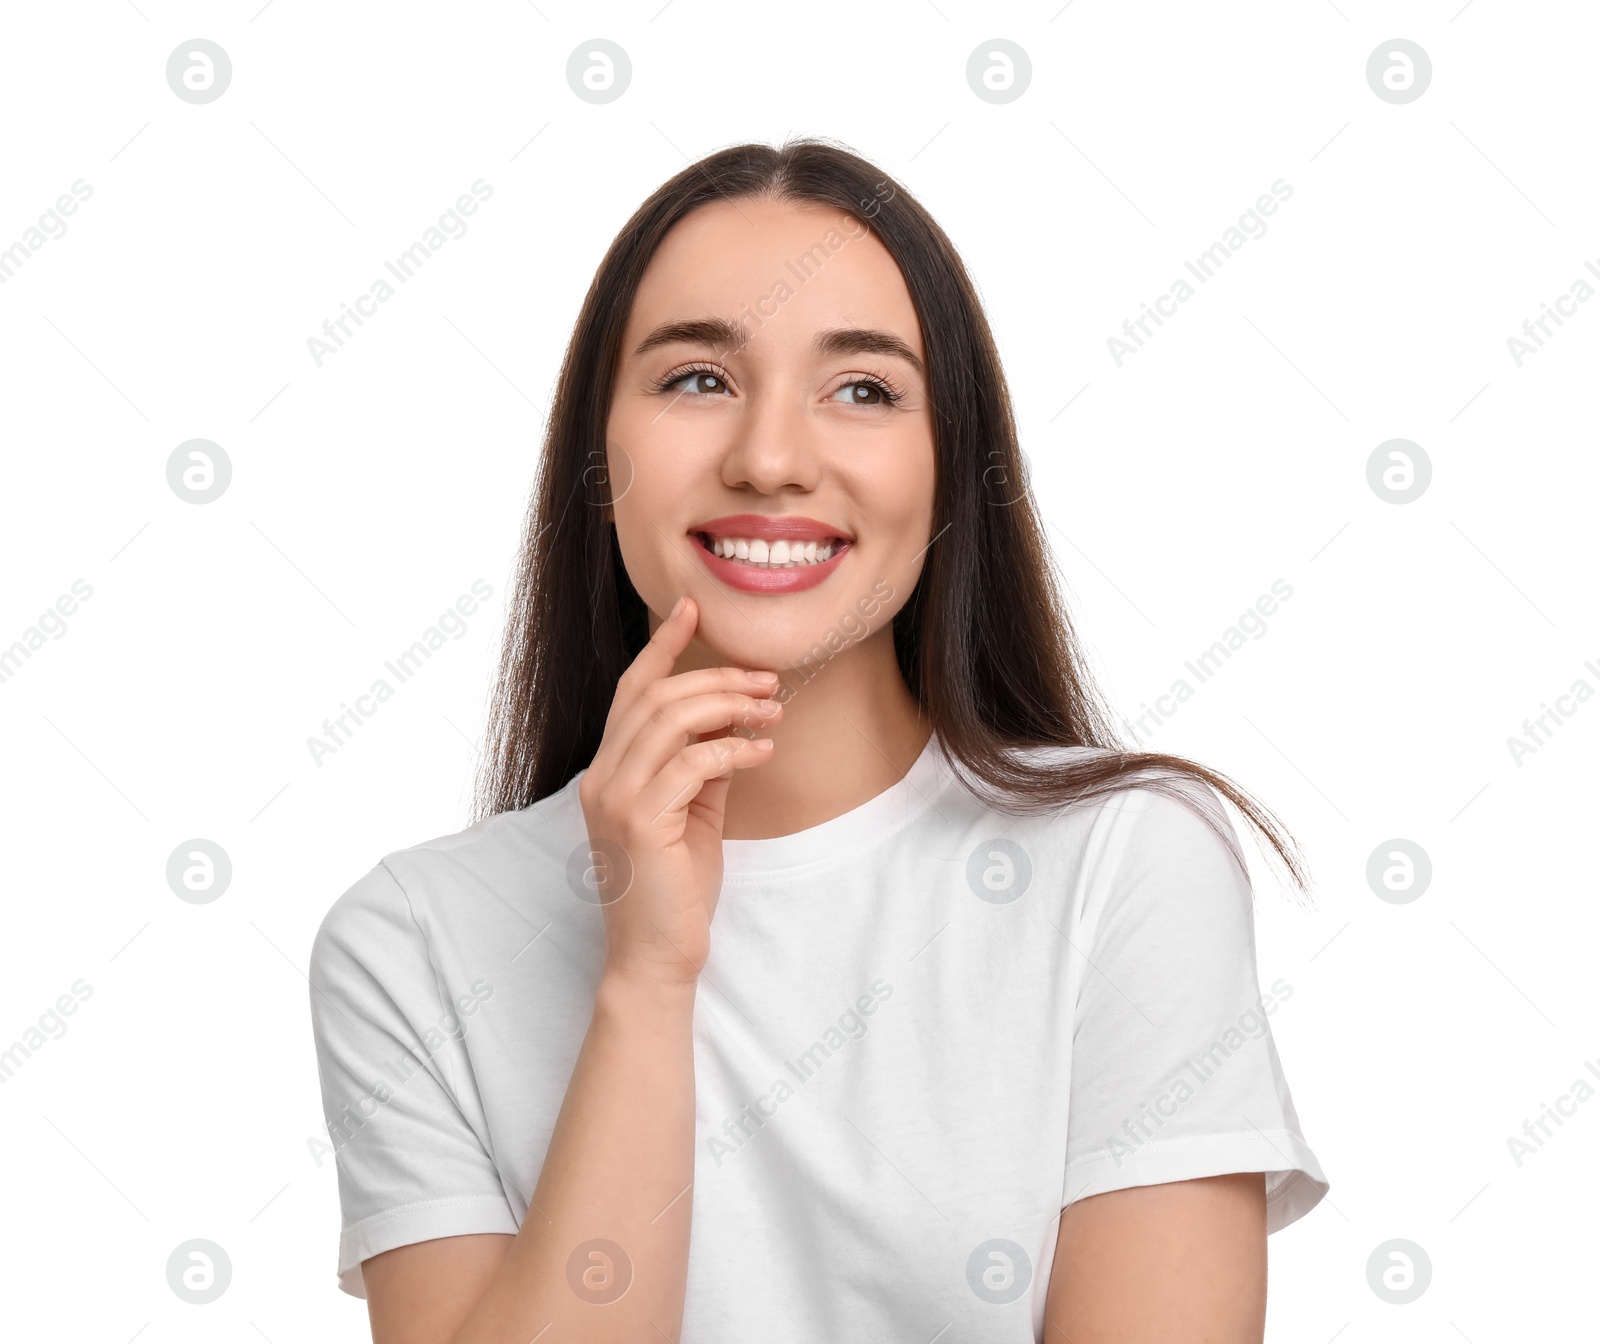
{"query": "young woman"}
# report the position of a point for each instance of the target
(820, 967)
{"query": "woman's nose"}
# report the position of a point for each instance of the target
(773, 445)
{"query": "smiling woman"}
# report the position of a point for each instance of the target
(681, 865)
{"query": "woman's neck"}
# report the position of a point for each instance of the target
(847, 734)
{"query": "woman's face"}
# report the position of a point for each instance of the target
(770, 403)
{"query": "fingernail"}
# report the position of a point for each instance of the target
(765, 678)
(766, 706)
(676, 608)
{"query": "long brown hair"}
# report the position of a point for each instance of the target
(984, 641)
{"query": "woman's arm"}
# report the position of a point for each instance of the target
(603, 1252)
(1162, 1264)
(621, 1154)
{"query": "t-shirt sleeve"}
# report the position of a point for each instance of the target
(1175, 1074)
(412, 1164)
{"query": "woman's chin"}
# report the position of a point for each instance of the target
(775, 646)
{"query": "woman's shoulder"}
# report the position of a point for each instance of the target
(1167, 798)
(495, 867)
(1113, 828)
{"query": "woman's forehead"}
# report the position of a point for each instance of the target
(805, 265)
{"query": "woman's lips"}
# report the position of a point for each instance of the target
(751, 578)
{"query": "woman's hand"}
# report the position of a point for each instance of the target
(653, 800)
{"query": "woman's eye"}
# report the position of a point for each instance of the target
(699, 381)
(862, 394)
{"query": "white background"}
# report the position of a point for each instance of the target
(369, 493)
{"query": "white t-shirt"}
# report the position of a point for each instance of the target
(925, 1027)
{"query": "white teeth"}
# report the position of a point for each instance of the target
(773, 555)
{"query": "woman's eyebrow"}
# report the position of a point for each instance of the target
(725, 336)
(712, 331)
(865, 341)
